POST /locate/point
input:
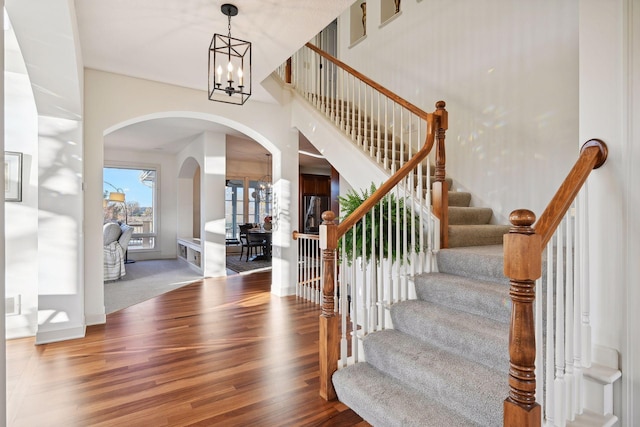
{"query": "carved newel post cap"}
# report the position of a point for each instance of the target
(440, 105)
(522, 218)
(328, 216)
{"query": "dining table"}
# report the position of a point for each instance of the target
(266, 235)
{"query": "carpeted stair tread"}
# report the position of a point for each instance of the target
(478, 297)
(479, 339)
(384, 401)
(459, 215)
(474, 390)
(476, 262)
(476, 235)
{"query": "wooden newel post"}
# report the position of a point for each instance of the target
(440, 189)
(522, 265)
(329, 326)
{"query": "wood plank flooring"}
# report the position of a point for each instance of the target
(218, 352)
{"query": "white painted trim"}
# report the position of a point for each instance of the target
(60, 335)
(96, 319)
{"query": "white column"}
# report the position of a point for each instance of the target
(60, 231)
(285, 213)
(212, 205)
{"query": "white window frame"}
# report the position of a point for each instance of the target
(156, 202)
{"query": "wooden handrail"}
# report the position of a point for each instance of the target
(297, 235)
(438, 117)
(592, 155)
(383, 90)
(523, 247)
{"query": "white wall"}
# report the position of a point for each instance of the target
(3, 357)
(166, 196)
(631, 343)
(609, 110)
(508, 73)
(55, 72)
(21, 239)
(60, 231)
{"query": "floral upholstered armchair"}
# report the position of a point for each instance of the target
(116, 241)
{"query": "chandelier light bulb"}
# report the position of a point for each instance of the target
(230, 71)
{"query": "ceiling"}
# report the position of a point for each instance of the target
(168, 40)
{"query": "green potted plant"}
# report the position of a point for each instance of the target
(392, 208)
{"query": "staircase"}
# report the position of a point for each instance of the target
(470, 226)
(445, 363)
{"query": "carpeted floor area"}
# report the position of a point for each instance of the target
(145, 280)
(240, 265)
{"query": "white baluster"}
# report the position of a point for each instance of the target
(577, 296)
(344, 307)
(355, 301)
(539, 329)
(585, 285)
(383, 262)
(568, 356)
(317, 259)
(381, 154)
(365, 282)
(386, 139)
(550, 357)
(559, 384)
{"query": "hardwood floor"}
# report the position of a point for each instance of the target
(217, 352)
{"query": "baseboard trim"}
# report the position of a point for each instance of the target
(96, 319)
(47, 337)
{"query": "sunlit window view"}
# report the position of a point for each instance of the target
(244, 205)
(129, 198)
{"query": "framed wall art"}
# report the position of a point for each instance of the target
(12, 176)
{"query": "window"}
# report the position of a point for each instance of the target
(234, 207)
(241, 209)
(129, 198)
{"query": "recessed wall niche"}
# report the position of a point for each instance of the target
(388, 9)
(358, 20)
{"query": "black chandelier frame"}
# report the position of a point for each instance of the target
(227, 55)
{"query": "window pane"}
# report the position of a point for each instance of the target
(129, 197)
(234, 204)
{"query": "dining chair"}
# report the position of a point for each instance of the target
(255, 241)
(243, 238)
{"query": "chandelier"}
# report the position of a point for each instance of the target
(229, 65)
(265, 185)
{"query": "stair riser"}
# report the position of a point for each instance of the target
(472, 264)
(459, 198)
(483, 299)
(476, 235)
(460, 216)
